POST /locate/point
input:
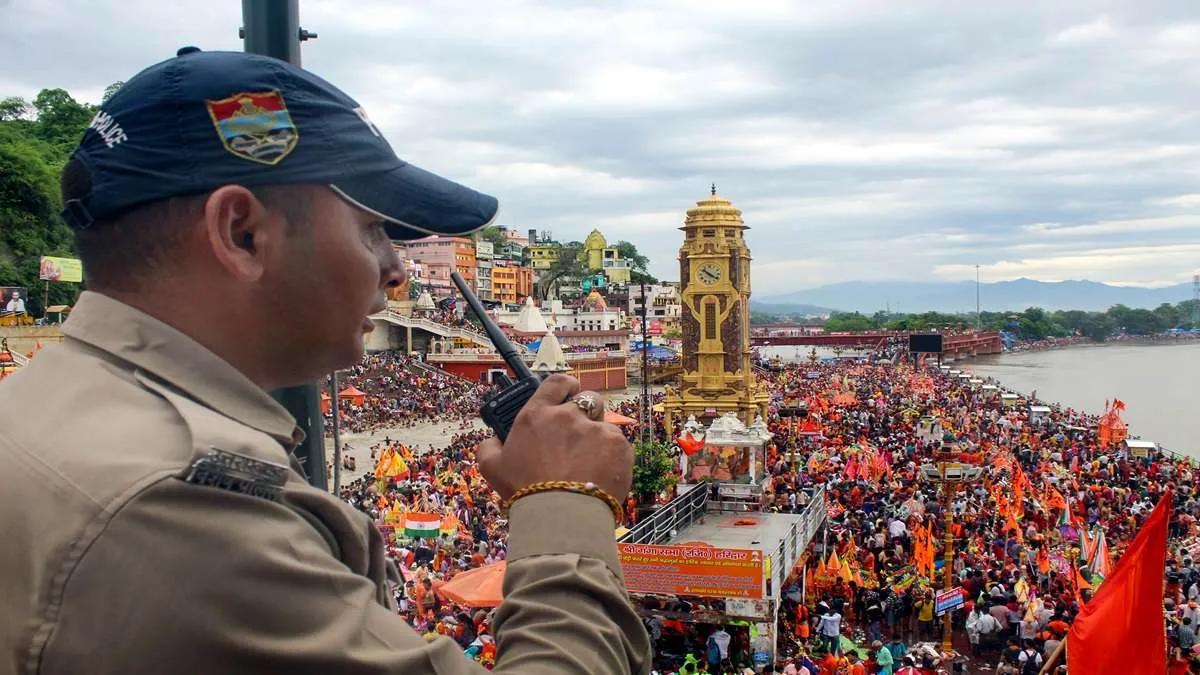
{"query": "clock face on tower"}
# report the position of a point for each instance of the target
(709, 274)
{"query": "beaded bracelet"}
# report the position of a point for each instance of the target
(588, 489)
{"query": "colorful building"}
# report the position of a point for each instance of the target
(607, 259)
(484, 254)
(438, 257)
(511, 283)
(543, 255)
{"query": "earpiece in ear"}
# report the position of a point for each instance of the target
(248, 241)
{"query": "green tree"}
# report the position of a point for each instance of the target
(492, 234)
(1097, 326)
(763, 317)
(34, 144)
(570, 265)
(14, 108)
(846, 322)
(61, 120)
(637, 261)
(30, 226)
(1138, 321)
(1187, 314)
(1168, 315)
(653, 469)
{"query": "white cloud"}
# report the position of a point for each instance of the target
(866, 140)
(1125, 265)
(1130, 225)
(1187, 201)
(1099, 29)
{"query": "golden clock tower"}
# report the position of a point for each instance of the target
(714, 283)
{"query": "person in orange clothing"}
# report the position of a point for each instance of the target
(803, 624)
(831, 664)
(857, 667)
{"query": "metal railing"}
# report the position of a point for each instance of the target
(796, 541)
(440, 329)
(668, 521)
(481, 354)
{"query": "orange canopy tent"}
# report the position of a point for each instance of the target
(354, 395)
(618, 419)
(480, 587)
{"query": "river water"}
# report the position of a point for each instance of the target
(1160, 384)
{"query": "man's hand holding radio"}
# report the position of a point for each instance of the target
(559, 435)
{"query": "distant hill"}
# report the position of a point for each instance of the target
(791, 309)
(959, 296)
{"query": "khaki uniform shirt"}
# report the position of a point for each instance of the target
(154, 522)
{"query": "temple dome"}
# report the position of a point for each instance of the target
(714, 210)
(550, 357)
(530, 319)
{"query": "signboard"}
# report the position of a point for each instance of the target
(12, 300)
(746, 608)
(738, 490)
(60, 269)
(946, 601)
(692, 570)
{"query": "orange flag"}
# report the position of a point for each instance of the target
(846, 573)
(1043, 560)
(1011, 524)
(1125, 617)
(834, 565)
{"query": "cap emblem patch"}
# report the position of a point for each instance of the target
(255, 126)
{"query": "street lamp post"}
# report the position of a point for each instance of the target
(951, 474)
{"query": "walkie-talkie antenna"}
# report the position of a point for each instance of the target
(507, 351)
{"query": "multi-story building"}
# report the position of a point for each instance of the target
(598, 327)
(510, 251)
(662, 301)
(607, 259)
(483, 269)
(543, 254)
(504, 283)
(511, 283)
(464, 259)
(439, 256)
(524, 283)
(515, 236)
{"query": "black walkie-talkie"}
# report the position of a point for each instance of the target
(500, 408)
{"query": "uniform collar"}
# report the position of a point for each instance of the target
(151, 345)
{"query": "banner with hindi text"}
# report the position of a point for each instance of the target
(704, 571)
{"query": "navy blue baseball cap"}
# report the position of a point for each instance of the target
(206, 119)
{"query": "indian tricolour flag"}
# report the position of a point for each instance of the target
(425, 525)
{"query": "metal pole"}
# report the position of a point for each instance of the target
(337, 435)
(272, 28)
(948, 558)
(646, 420)
(978, 316)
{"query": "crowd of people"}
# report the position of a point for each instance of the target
(1035, 535)
(400, 391)
(1017, 530)
(472, 534)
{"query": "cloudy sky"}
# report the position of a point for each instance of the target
(862, 140)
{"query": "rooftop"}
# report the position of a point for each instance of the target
(753, 530)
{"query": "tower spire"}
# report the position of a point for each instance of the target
(714, 189)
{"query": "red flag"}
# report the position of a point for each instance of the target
(1125, 617)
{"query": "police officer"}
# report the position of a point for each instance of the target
(234, 215)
